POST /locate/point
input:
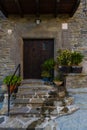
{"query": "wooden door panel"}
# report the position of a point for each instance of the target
(36, 51)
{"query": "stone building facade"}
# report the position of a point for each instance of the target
(11, 44)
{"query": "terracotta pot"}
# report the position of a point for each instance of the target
(5, 88)
(12, 87)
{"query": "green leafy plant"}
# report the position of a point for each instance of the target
(45, 74)
(47, 68)
(76, 58)
(15, 81)
(64, 57)
(58, 80)
(59, 77)
(48, 65)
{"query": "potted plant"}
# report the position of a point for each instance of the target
(76, 59)
(47, 69)
(58, 80)
(64, 60)
(16, 80)
(46, 75)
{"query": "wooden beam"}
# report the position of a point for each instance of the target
(37, 8)
(74, 8)
(55, 9)
(3, 9)
(19, 7)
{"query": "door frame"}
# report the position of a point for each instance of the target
(47, 35)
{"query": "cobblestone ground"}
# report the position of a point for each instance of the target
(77, 120)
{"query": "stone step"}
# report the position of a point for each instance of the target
(33, 81)
(21, 101)
(35, 102)
(18, 95)
(24, 92)
(32, 90)
(25, 96)
(29, 101)
(19, 110)
(34, 87)
(31, 93)
(28, 111)
(36, 99)
(25, 111)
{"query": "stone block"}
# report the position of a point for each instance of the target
(76, 80)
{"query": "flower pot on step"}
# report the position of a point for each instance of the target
(58, 83)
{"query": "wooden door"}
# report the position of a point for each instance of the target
(36, 51)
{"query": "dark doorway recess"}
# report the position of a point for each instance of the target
(35, 52)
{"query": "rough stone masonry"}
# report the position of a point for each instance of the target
(11, 45)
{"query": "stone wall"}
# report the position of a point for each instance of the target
(11, 45)
(8, 49)
(76, 81)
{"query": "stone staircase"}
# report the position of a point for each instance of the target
(33, 98)
(36, 106)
